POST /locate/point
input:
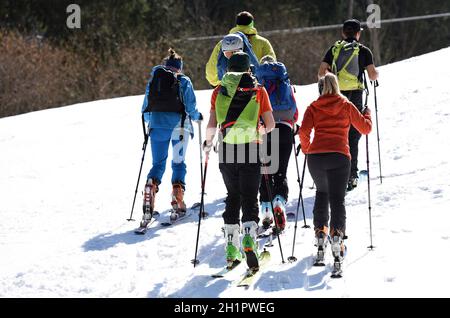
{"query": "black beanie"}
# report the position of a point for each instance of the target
(239, 62)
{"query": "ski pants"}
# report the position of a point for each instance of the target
(283, 148)
(330, 172)
(353, 135)
(242, 181)
(160, 140)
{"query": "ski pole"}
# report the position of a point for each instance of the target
(292, 258)
(195, 261)
(269, 192)
(371, 247)
(375, 85)
(366, 89)
(144, 147)
(300, 182)
(201, 151)
(305, 226)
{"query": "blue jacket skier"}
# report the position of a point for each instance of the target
(169, 107)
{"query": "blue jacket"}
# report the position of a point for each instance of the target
(170, 120)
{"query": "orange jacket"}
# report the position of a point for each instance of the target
(331, 117)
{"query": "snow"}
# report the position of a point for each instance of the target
(68, 177)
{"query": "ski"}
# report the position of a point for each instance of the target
(337, 271)
(251, 274)
(188, 214)
(142, 229)
(172, 222)
(226, 270)
(195, 206)
(290, 216)
(262, 241)
(272, 232)
(263, 232)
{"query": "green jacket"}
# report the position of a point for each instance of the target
(261, 46)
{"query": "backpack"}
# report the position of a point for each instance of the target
(222, 61)
(237, 111)
(164, 92)
(345, 65)
(274, 77)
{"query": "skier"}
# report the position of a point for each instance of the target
(236, 106)
(259, 46)
(328, 159)
(230, 44)
(168, 108)
(348, 59)
(273, 75)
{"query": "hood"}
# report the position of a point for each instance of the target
(230, 82)
(329, 104)
(246, 29)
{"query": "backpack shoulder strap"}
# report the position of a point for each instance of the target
(180, 93)
(335, 50)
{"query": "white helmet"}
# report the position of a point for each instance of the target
(232, 42)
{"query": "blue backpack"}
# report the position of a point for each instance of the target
(222, 61)
(274, 77)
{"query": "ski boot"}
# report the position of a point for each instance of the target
(279, 211)
(232, 249)
(339, 250)
(352, 183)
(150, 190)
(266, 215)
(321, 243)
(178, 205)
(250, 245)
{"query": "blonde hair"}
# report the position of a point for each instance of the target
(330, 84)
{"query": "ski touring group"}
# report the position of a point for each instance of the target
(253, 117)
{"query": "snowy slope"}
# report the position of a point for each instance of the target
(67, 179)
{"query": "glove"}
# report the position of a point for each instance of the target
(365, 111)
(206, 147)
(199, 117)
(296, 129)
(299, 147)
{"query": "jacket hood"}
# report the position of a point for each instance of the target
(246, 29)
(329, 104)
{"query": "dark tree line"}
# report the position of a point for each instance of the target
(119, 41)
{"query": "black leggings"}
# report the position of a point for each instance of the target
(330, 172)
(242, 181)
(356, 97)
(278, 181)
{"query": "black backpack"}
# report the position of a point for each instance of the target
(164, 93)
